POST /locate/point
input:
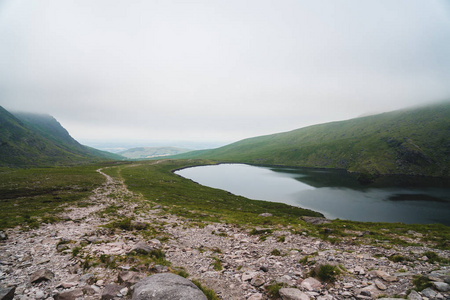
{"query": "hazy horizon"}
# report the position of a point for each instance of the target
(214, 72)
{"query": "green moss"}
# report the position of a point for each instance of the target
(273, 290)
(217, 264)
(421, 282)
(396, 258)
(209, 293)
(326, 273)
(275, 252)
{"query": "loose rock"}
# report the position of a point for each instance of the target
(7, 293)
(292, 294)
(41, 275)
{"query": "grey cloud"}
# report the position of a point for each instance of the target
(219, 69)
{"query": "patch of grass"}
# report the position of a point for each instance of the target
(326, 273)
(433, 257)
(386, 235)
(30, 197)
(281, 238)
(273, 289)
(76, 251)
(421, 282)
(181, 272)
(110, 261)
(275, 252)
(209, 293)
(397, 258)
(307, 260)
(217, 263)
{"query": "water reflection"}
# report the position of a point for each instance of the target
(335, 193)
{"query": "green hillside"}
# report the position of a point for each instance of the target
(39, 140)
(412, 141)
(151, 152)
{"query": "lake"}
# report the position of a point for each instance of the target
(334, 193)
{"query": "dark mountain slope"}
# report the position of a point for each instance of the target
(50, 128)
(413, 141)
(39, 140)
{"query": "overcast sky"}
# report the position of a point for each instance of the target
(220, 71)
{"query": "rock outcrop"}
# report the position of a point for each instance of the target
(167, 286)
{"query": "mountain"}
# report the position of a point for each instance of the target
(413, 141)
(151, 152)
(39, 140)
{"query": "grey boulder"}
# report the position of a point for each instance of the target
(167, 286)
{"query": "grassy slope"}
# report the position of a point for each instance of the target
(414, 142)
(27, 195)
(50, 128)
(39, 140)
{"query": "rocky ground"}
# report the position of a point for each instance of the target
(79, 258)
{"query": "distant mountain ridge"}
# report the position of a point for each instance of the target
(151, 152)
(413, 141)
(39, 140)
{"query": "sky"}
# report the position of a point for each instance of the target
(210, 71)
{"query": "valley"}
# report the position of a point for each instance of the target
(125, 230)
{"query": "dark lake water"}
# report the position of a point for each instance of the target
(334, 193)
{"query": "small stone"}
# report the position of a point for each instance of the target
(441, 286)
(110, 291)
(155, 243)
(88, 278)
(142, 248)
(385, 276)
(39, 294)
(257, 296)
(380, 285)
(128, 278)
(124, 291)
(257, 281)
(264, 268)
(7, 293)
(88, 290)
(315, 220)
(292, 294)
(429, 293)
(101, 282)
(266, 215)
(347, 294)
(414, 295)
(158, 268)
(41, 275)
(67, 285)
(311, 284)
(247, 276)
(69, 295)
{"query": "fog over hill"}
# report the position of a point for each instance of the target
(413, 141)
